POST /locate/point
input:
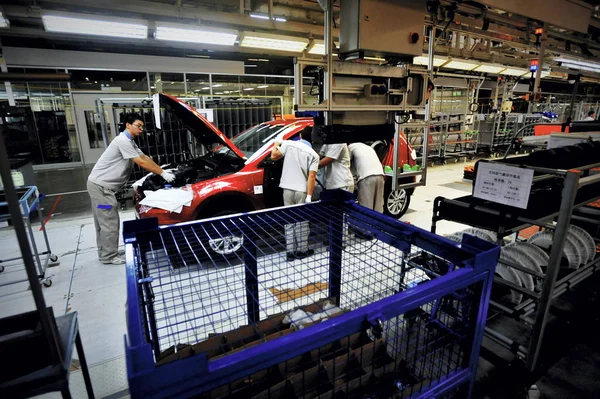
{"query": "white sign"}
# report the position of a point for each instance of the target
(258, 189)
(156, 104)
(503, 184)
(207, 113)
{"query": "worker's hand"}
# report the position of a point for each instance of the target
(168, 176)
(308, 198)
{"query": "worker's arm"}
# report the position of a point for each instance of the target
(310, 184)
(276, 155)
(325, 161)
(145, 162)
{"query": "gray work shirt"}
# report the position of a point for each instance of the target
(337, 174)
(364, 161)
(113, 168)
(299, 159)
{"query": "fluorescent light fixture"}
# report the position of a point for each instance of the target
(378, 59)
(219, 92)
(274, 42)
(463, 65)
(578, 62)
(250, 66)
(258, 59)
(249, 89)
(489, 68)
(133, 80)
(178, 33)
(259, 16)
(4, 23)
(262, 86)
(514, 72)
(217, 85)
(205, 88)
(95, 25)
(423, 60)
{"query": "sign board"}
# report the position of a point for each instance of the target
(207, 113)
(503, 184)
(156, 106)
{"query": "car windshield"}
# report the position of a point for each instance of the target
(254, 138)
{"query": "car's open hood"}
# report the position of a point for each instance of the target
(204, 131)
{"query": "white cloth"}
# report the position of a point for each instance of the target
(298, 160)
(114, 166)
(172, 200)
(588, 118)
(337, 174)
(364, 161)
(139, 183)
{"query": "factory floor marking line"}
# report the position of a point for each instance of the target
(51, 212)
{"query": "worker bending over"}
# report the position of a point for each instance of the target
(300, 165)
(109, 174)
(336, 163)
(369, 176)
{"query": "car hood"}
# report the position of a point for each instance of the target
(203, 131)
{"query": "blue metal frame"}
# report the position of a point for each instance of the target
(28, 202)
(475, 262)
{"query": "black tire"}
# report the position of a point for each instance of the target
(228, 247)
(395, 203)
(53, 258)
(47, 283)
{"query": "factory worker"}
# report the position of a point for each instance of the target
(300, 165)
(109, 174)
(369, 176)
(336, 163)
(591, 116)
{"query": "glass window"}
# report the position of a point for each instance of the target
(169, 83)
(252, 139)
(198, 84)
(110, 81)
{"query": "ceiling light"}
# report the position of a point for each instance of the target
(205, 88)
(4, 23)
(132, 80)
(153, 87)
(219, 92)
(95, 25)
(274, 42)
(375, 59)
(579, 67)
(317, 48)
(259, 16)
(463, 65)
(514, 72)
(423, 60)
(250, 66)
(87, 79)
(177, 33)
(249, 88)
(280, 19)
(217, 85)
(262, 86)
(489, 68)
(95, 82)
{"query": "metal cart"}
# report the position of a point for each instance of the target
(562, 194)
(29, 202)
(399, 315)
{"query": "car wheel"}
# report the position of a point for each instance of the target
(227, 246)
(396, 202)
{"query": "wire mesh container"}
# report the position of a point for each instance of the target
(324, 300)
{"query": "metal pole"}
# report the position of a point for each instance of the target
(575, 88)
(429, 101)
(328, 52)
(17, 219)
(569, 192)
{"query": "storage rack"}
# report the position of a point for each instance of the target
(29, 203)
(407, 320)
(233, 116)
(574, 190)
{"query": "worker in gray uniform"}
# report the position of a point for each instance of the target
(335, 159)
(369, 176)
(109, 174)
(300, 165)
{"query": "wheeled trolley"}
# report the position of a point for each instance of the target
(399, 315)
(29, 201)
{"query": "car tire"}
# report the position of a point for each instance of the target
(395, 203)
(229, 246)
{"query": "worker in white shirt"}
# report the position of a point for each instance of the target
(336, 163)
(591, 116)
(298, 176)
(369, 176)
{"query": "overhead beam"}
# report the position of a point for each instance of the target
(183, 14)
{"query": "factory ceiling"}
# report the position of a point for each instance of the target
(494, 34)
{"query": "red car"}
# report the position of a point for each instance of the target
(239, 175)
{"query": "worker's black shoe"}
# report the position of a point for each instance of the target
(290, 256)
(304, 254)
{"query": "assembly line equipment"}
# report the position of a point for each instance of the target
(400, 315)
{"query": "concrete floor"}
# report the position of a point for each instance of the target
(97, 292)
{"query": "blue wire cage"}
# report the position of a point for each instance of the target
(380, 309)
